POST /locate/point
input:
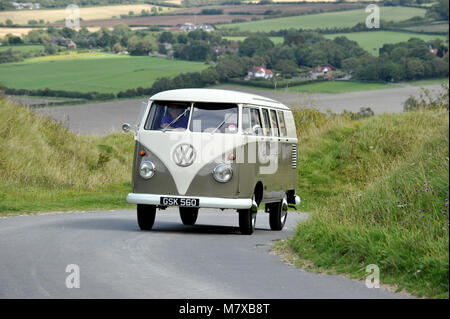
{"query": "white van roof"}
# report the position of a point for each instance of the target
(216, 96)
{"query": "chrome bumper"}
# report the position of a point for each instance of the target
(206, 202)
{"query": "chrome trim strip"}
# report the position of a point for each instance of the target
(206, 202)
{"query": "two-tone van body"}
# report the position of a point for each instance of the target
(204, 148)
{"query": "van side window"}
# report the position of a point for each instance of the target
(283, 130)
(251, 121)
(275, 130)
(266, 122)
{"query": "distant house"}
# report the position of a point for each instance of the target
(259, 72)
(221, 50)
(326, 70)
(188, 27)
(434, 51)
(71, 45)
(28, 5)
(68, 43)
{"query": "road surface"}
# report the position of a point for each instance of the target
(104, 118)
(117, 260)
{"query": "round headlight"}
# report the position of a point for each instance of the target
(222, 173)
(147, 169)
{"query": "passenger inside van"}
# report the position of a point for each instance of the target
(168, 116)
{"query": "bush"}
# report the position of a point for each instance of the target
(428, 100)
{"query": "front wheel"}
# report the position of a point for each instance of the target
(188, 215)
(146, 216)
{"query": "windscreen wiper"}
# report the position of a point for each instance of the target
(220, 125)
(175, 120)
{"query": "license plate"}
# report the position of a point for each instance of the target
(176, 201)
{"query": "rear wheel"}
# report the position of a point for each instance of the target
(278, 214)
(146, 216)
(188, 215)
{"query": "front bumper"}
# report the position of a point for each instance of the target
(205, 202)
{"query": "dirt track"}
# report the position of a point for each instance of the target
(103, 118)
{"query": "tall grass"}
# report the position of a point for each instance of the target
(45, 167)
(378, 189)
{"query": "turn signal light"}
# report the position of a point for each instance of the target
(142, 153)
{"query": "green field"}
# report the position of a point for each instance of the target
(435, 27)
(327, 20)
(275, 40)
(104, 73)
(22, 48)
(335, 87)
(372, 41)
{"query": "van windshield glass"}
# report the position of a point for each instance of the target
(165, 115)
(214, 118)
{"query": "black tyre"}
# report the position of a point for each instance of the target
(146, 216)
(188, 215)
(277, 215)
(247, 221)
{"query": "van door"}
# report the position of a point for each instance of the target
(252, 132)
(270, 168)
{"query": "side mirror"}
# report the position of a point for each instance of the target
(126, 127)
(256, 129)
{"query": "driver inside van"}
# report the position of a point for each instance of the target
(170, 121)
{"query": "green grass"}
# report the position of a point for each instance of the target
(428, 82)
(377, 189)
(326, 20)
(105, 73)
(434, 27)
(334, 87)
(22, 48)
(373, 41)
(275, 40)
(44, 167)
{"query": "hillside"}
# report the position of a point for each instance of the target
(378, 189)
(44, 167)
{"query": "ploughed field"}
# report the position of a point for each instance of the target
(89, 13)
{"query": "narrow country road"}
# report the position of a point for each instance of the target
(117, 260)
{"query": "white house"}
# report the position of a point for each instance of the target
(259, 72)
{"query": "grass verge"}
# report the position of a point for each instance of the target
(44, 167)
(378, 190)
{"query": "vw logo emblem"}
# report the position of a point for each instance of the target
(183, 155)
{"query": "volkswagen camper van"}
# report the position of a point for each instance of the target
(207, 148)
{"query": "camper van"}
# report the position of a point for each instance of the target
(207, 148)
